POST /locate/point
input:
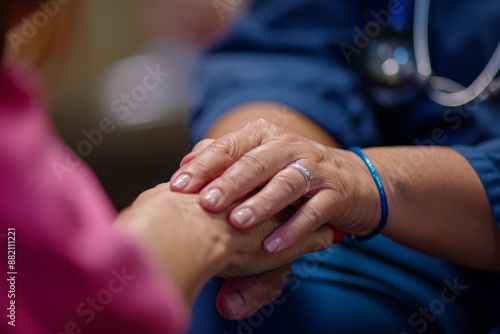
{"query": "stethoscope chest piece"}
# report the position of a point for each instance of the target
(389, 67)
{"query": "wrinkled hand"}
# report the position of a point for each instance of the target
(342, 192)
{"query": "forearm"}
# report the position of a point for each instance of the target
(437, 205)
(188, 278)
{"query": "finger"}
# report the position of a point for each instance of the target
(285, 188)
(253, 170)
(200, 146)
(314, 213)
(241, 297)
(219, 155)
(319, 240)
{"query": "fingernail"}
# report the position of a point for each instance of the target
(273, 245)
(182, 181)
(244, 216)
(234, 302)
(213, 196)
(338, 236)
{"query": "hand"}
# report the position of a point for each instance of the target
(194, 245)
(342, 190)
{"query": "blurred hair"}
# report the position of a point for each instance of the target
(48, 43)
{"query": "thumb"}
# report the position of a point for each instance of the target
(241, 297)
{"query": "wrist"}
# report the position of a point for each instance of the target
(173, 248)
(195, 257)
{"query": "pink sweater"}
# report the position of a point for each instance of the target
(72, 272)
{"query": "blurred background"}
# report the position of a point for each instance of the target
(130, 63)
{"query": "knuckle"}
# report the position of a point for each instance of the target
(220, 154)
(231, 185)
(253, 165)
(260, 288)
(289, 137)
(226, 148)
(268, 127)
(313, 215)
(266, 204)
(201, 169)
(239, 179)
(265, 288)
(258, 283)
(262, 122)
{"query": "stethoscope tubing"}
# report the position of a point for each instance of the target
(443, 90)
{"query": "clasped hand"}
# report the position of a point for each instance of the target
(275, 215)
(342, 192)
(193, 245)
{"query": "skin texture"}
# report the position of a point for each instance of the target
(429, 188)
(193, 245)
(250, 293)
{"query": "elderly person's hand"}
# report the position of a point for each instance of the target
(436, 202)
(194, 245)
(341, 191)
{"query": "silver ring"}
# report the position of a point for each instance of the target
(306, 173)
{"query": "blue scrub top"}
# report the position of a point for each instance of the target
(288, 51)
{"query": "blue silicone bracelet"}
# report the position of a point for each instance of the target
(383, 198)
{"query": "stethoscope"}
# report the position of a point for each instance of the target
(392, 63)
